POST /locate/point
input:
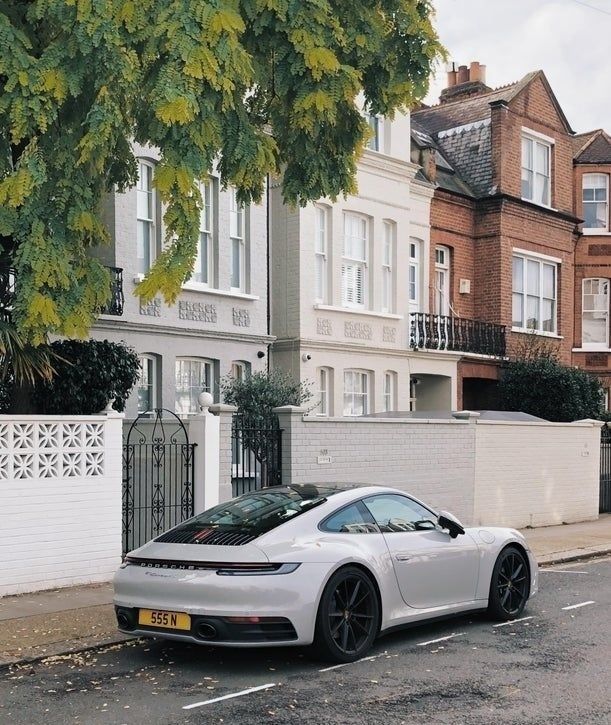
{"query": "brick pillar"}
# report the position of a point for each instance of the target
(291, 423)
(225, 414)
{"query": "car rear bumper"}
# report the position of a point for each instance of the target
(255, 610)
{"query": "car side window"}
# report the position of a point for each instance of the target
(352, 519)
(394, 513)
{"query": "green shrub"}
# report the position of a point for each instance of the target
(89, 374)
(543, 387)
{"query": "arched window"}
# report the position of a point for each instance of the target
(193, 376)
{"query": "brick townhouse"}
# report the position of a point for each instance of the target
(592, 170)
(503, 224)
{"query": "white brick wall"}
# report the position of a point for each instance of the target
(536, 474)
(60, 501)
(517, 474)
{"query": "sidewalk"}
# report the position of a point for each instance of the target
(50, 623)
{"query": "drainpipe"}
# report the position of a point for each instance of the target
(269, 269)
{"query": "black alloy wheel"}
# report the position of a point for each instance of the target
(348, 616)
(510, 586)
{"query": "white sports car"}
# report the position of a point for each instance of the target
(332, 566)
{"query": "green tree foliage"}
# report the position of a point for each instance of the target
(256, 395)
(88, 375)
(261, 85)
(541, 386)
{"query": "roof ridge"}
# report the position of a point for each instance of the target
(595, 134)
(479, 95)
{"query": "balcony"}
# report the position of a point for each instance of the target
(456, 334)
(114, 306)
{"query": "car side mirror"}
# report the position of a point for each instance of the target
(448, 521)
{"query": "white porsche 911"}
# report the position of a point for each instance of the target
(332, 566)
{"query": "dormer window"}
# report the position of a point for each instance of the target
(536, 169)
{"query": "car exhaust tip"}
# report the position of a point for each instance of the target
(206, 631)
(124, 621)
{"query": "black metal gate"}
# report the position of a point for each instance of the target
(256, 450)
(157, 477)
(605, 470)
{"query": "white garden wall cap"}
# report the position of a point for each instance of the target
(297, 409)
(223, 408)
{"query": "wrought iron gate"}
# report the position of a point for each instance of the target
(256, 450)
(605, 470)
(157, 477)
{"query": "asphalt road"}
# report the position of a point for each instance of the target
(553, 666)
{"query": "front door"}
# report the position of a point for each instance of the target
(432, 569)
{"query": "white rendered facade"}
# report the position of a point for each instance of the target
(345, 277)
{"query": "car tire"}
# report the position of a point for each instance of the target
(348, 617)
(509, 586)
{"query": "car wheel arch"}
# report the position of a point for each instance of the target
(522, 549)
(371, 576)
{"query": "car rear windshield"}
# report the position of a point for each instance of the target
(252, 514)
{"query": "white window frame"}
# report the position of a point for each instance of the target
(353, 264)
(321, 251)
(389, 396)
(145, 190)
(388, 255)
(206, 230)
(239, 369)
(145, 360)
(524, 294)
(209, 388)
(536, 140)
(604, 344)
(237, 233)
(413, 278)
(376, 140)
(592, 202)
(352, 378)
(441, 300)
(323, 383)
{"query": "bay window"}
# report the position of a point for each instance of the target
(534, 299)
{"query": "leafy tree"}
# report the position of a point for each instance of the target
(257, 394)
(88, 375)
(538, 384)
(260, 85)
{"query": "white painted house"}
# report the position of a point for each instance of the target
(345, 277)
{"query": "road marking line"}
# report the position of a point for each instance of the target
(440, 639)
(229, 697)
(561, 571)
(576, 606)
(511, 621)
(346, 664)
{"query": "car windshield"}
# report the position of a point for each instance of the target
(260, 511)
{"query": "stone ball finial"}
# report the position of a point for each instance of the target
(205, 400)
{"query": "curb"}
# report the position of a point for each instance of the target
(110, 642)
(574, 555)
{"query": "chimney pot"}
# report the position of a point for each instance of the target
(463, 74)
(477, 72)
(451, 78)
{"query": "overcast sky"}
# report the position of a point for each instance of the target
(565, 38)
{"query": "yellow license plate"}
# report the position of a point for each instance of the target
(167, 620)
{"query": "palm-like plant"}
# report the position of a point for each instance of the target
(20, 362)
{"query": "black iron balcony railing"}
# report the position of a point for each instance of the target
(439, 332)
(114, 306)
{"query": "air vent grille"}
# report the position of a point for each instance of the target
(209, 536)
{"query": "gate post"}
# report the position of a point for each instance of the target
(204, 432)
(290, 418)
(224, 415)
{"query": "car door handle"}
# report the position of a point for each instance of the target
(403, 557)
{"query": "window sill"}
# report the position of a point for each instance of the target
(358, 311)
(538, 333)
(595, 232)
(592, 349)
(198, 287)
(538, 203)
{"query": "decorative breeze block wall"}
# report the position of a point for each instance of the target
(60, 500)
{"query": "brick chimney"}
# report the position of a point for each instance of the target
(464, 81)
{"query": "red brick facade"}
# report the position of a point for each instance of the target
(482, 231)
(592, 257)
